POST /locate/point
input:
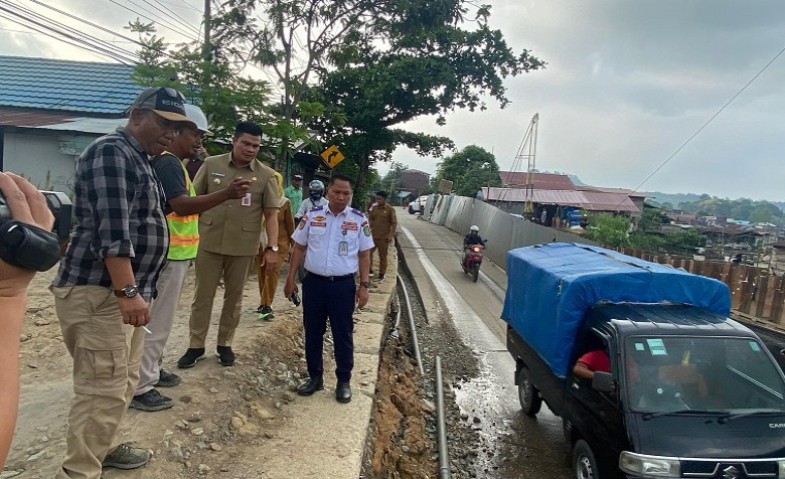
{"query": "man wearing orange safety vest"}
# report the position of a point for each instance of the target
(183, 208)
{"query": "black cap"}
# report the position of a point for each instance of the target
(164, 101)
(383, 194)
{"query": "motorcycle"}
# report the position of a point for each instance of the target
(472, 260)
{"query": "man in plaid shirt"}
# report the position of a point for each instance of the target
(107, 279)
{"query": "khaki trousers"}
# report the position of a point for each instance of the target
(106, 356)
(209, 269)
(162, 311)
(268, 282)
(381, 245)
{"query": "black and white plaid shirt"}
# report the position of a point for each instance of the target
(118, 213)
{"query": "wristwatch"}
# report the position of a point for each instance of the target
(129, 291)
(367, 284)
(273, 248)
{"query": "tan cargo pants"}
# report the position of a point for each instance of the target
(106, 356)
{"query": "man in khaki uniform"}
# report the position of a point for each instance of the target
(229, 236)
(383, 224)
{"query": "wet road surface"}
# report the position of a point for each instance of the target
(514, 445)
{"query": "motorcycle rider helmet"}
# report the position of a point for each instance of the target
(316, 190)
(474, 229)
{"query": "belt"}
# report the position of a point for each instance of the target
(332, 279)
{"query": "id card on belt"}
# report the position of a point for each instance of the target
(246, 201)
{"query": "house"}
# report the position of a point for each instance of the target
(50, 110)
(413, 181)
(556, 196)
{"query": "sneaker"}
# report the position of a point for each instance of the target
(190, 357)
(370, 274)
(151, 401)
(225, 355)
(265, 312)
(126, 457)
(167, 379)
(381, 277)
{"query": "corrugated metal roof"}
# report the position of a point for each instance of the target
(58, 121)
(588, 200)
(60, 85)
(541, 181)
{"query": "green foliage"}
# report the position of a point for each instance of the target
(651, 220)
(608, 230)
(743, 209)
(470, 169)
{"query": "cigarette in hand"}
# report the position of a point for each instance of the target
(148, 331)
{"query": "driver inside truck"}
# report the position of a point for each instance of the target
(595, 360)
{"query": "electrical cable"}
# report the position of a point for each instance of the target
(75, 44)
(705, 124)
(185, 22)
(60, 28)
(150, 19)
(70, 15)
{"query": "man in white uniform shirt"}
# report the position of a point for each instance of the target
(338, 242)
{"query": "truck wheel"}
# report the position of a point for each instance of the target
(411, 210)
(528, 395)
(583, 461)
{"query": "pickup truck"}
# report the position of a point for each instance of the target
(689, 392)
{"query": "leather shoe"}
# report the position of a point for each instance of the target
(310, 386)
(343, 393)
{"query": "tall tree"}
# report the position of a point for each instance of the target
(469, 169)
(379, 63)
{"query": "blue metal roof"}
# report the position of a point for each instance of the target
(61, 85)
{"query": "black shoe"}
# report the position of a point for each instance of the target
(190, 357)
(343, 392)
(310, 386)
(381, 277)
(167, 379)
(265, 312)
(225, 355)
(151, 401)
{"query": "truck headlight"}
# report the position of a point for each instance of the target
(651, 466)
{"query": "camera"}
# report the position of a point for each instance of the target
(29, 246)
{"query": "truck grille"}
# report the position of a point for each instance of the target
(729, 470)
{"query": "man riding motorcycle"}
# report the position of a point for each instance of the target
(471, 239)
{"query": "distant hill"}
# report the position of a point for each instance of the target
(658, 198)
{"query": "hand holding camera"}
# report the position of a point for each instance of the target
(25, 219)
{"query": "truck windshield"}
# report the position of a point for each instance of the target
(701, 374)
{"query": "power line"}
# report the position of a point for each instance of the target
(187, 35)
(68, 31)
(184, 21)
(70, 15)
(667, 160)
(75, 44)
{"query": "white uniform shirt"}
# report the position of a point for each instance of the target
(333, 241)
(307, 204)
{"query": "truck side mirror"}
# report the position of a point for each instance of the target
(603, 382)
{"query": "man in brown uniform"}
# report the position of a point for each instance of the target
(229, 236)
(383, 224)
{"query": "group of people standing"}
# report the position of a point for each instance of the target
(141, 221)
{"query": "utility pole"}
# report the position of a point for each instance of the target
(207, 48)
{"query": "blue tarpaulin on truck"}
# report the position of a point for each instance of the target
(551, 286)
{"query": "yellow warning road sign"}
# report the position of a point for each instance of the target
(332, 156)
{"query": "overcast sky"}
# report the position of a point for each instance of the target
(627, 83)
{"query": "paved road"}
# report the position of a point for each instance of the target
(517, 446)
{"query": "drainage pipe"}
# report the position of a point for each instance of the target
(441, 429)
(412, 328)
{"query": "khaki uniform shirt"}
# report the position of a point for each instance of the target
(382, 219)
(234, 228)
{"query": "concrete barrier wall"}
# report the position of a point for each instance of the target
(502, 230)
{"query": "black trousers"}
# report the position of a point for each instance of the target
(324, 298)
